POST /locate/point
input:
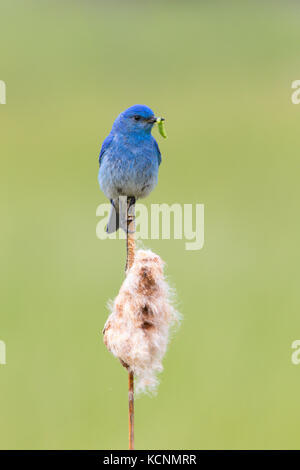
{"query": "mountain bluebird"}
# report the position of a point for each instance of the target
(129, 161)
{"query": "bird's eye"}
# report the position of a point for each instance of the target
(137, 118)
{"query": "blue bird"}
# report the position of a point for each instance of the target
(129, 161)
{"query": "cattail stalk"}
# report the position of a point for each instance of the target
(131, 410)
(137, 330)
(130, 245)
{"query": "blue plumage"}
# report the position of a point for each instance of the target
(129, 160)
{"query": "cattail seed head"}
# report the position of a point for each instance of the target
(138, 328)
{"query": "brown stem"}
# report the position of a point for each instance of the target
(131, 410)
(130, 244)
(130, 239)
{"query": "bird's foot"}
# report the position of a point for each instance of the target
(130, 201)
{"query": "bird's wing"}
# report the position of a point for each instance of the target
(157, 151)
(106, 143)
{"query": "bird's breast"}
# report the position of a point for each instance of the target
(129, 170)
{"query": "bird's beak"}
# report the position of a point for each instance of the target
(152, 120)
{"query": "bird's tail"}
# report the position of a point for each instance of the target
(113, 220)
(117, 216)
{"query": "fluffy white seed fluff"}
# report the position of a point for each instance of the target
(137, 330)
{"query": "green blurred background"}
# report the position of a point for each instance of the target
(221, 74)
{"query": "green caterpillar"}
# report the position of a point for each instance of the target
(161, 127)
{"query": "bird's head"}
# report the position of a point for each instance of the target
(138, 119)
